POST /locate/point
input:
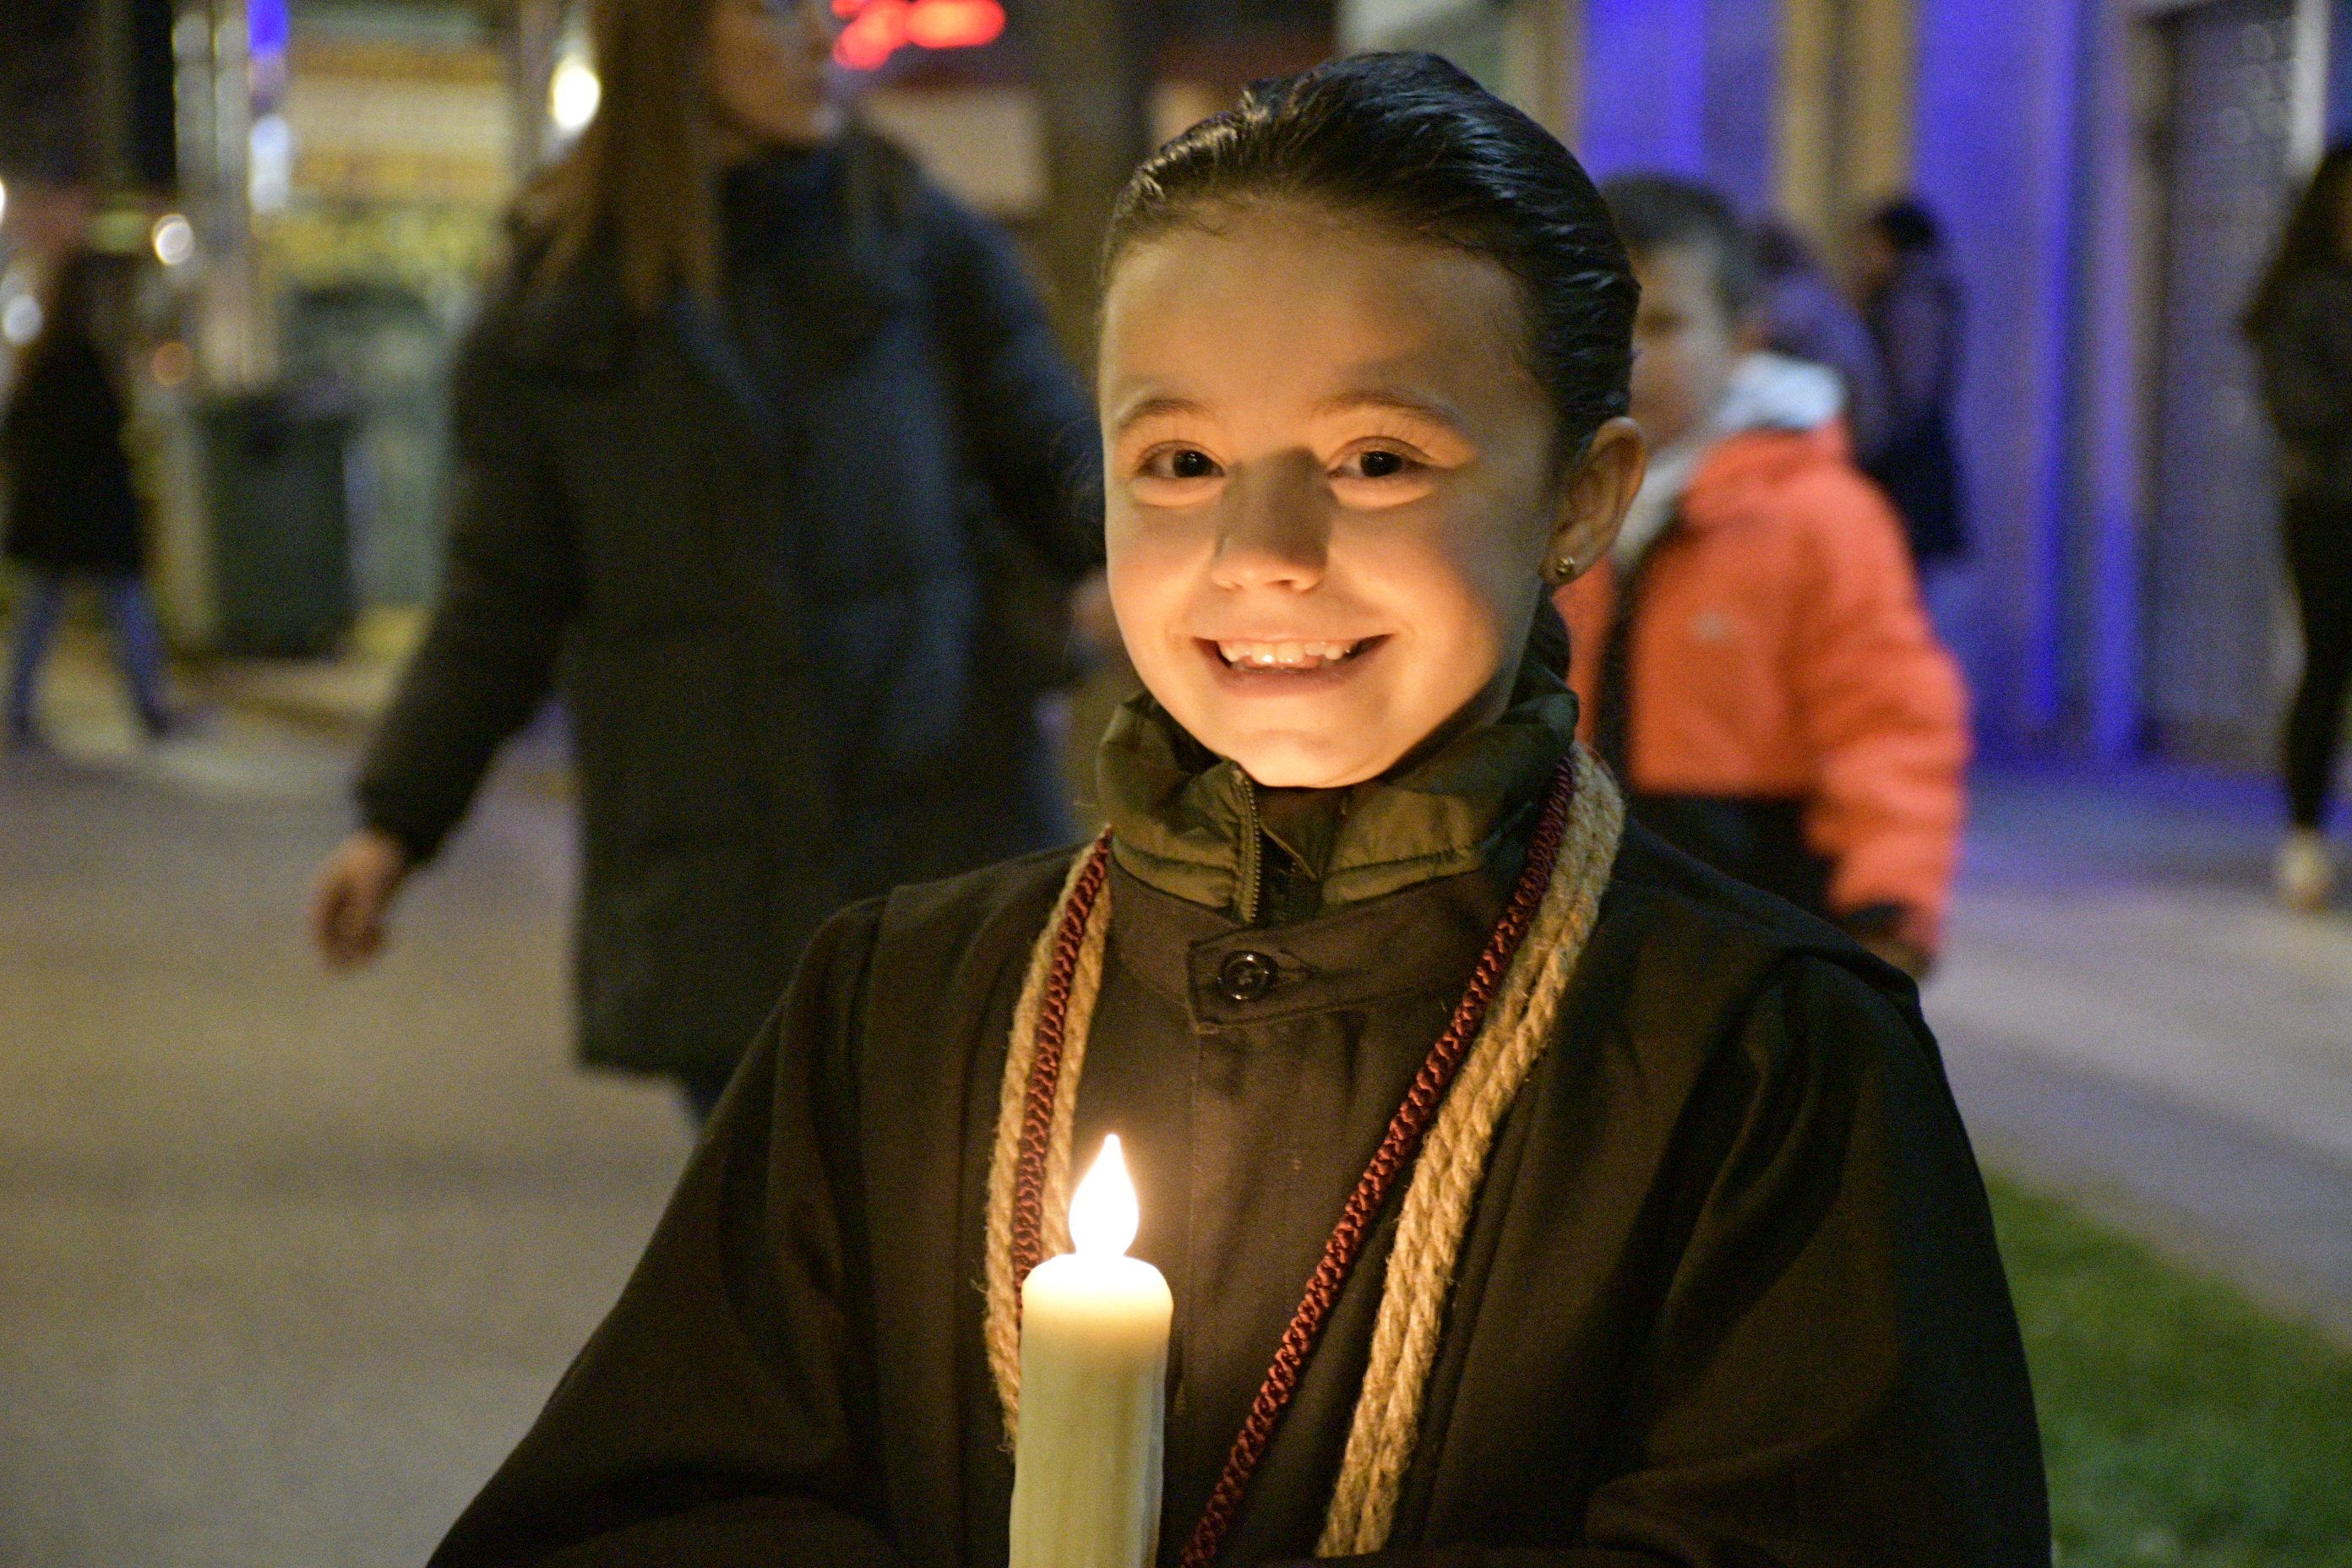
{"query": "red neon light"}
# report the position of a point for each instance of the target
(873, 35)
(879, 29)
(954, 23)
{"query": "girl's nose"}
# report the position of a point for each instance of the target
(1275, 533)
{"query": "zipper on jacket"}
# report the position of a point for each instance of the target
(1253, 852)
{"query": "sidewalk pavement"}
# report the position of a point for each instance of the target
(2130, 1018)
(339, 698)
(288, 1259)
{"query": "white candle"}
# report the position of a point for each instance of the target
(1094, 1376)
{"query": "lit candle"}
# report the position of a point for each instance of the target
(1094, 1376)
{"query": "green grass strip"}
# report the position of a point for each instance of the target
(2181, 1424)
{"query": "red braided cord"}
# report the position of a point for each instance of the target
(1406, 1129)
(1045, 1067)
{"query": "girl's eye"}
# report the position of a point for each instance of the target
(1376, 463)
(1180, 463)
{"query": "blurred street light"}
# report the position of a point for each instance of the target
(572, 93)
(174, 239)
(20, 320)
(269, 163)
(4, 201)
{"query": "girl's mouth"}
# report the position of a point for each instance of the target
(1285, 666)
(1288, 657)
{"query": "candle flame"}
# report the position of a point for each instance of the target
(1103, 1211)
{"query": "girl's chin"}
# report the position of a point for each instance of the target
(1291, 762)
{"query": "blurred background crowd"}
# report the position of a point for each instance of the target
(519, 407)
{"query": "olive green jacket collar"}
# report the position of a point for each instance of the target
(1190, 823)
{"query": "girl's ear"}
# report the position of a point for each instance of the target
(1592, 503)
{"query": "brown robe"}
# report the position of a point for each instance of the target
(1729, 1294)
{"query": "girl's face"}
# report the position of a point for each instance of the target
(767, 74)
(1332, 487)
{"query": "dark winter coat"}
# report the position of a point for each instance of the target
(1806, 318)
(1729, 1293)
(1917, 319)
(2304, 347)
(71, 506)
(780, 581)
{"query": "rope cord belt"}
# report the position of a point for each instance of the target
(1442, 1129)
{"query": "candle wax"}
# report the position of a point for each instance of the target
(1094, 1371)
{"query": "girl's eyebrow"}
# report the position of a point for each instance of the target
(1391, 402)
(1168, 405)
(1159, 408)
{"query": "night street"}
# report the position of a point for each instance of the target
(510, 501)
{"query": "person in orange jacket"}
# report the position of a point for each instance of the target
(1753, 657)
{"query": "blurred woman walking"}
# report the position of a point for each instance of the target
(2301, 323)
(763, 448)
(73, 513)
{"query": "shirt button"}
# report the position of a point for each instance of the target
(1246, 976)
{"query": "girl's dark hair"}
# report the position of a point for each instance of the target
(1908, 226)
(2310, 243)
(1410, 141)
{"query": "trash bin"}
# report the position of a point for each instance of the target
(281, 529)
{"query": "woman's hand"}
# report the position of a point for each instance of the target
(353, 890)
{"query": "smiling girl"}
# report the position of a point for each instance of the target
(1526, 1191)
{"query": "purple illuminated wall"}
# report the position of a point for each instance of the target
(2339, 76)
(1645, 86)
(1682, 86)
(1997, 117)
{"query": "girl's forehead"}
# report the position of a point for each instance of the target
(1284, 294)
(1227, 242)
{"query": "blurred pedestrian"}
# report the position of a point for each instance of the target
(758, 445)
(2301, 322)
(74, 514)
(1752, 655)
(1912, 301)
(1805, 316)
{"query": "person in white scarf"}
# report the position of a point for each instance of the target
(1766, 392)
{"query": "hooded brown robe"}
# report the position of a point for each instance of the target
(1730, 1295)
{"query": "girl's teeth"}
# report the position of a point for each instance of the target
(1284, 655)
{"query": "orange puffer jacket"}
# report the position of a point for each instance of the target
(1780, 661)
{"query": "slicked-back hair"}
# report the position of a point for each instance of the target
(1411, 141)
(1663, 212)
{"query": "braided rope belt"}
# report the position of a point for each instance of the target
(1441, 1131)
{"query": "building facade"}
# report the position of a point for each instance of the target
(2112, 174)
